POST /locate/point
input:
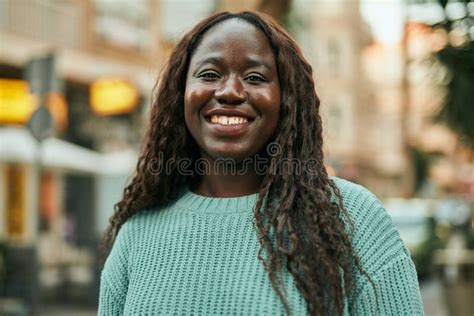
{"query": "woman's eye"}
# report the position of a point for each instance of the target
(255, 78)
(209, 76)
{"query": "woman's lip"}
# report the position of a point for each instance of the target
(228, 130)
(229, 113)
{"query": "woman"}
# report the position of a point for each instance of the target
(231, 210)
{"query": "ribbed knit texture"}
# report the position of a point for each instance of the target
(198, 255)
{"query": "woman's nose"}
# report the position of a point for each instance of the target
(231, 91)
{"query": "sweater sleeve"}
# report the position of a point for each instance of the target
(384, 257)
(396, 291)
(115, 275)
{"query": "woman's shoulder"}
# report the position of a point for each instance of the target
(362, 205)
(137, 222)
(354, 194)
(374, 234)
(358, 200)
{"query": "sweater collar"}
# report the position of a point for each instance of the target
(206, 204)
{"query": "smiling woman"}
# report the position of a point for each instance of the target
(237, 93)
(232, 78)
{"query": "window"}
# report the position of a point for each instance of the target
(123, 24)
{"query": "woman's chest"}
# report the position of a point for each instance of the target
(208, 271)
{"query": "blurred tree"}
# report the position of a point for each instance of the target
(458, 107)
(422, 255)
(421, 162)
(458, 57)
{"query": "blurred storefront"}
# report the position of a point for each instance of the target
(39, 233)
(56, 196)
(60, 234)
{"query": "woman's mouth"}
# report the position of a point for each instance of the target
(227, 120)
(228, 125)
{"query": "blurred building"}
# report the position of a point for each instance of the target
(408, 84)
(337, 37)
(55, 200)
(362, 134)
(384, 66)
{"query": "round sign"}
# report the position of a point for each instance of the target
(41, 124)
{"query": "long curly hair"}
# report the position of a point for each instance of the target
(307, 230)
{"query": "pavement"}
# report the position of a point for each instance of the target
(433, 298)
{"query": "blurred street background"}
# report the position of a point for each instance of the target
(396, 80)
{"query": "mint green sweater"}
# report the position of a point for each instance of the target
(198, 255)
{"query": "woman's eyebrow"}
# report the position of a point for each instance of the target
(252, 62)
(210, 60)
(219, 61)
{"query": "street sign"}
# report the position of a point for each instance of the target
(41, 75)
(41, 124)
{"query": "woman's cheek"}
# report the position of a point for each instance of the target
(197, 95)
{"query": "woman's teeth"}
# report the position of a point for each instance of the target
(228, 120)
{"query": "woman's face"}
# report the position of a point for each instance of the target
(232, 97)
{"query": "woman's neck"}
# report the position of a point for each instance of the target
(228, 181)
(228, 185)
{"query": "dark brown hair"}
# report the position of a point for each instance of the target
(305, 231)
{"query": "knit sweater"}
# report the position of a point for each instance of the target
(198, 255)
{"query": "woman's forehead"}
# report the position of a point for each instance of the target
(231, 35)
